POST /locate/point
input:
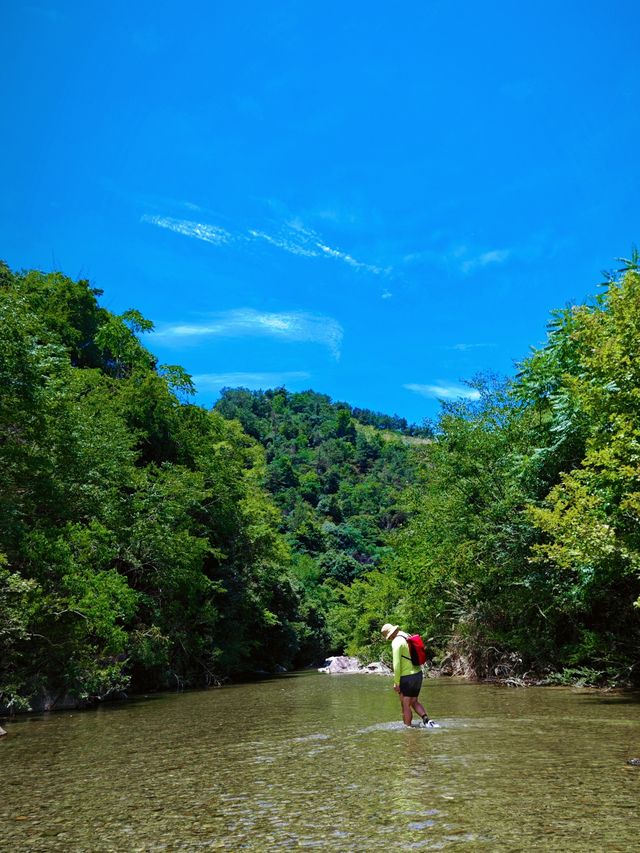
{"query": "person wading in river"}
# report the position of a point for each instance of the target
(407, 676)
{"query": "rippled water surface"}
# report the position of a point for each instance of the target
(319, 761)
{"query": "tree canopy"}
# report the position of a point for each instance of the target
(522, 550)
(146, 542)
(137, 543)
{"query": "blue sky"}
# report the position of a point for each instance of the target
(374, 200)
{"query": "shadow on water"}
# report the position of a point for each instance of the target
(135, 700)
(259, 677)
(622, 698)
(109, 705)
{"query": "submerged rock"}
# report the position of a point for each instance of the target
(342, 664)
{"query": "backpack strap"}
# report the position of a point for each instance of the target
(405, 637)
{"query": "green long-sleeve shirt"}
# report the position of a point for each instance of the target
(402, 664)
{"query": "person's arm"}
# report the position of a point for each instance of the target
(397, 662)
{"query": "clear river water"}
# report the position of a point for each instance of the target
(309, 760)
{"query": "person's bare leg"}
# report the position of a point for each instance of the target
(419, 708)
(407, 716)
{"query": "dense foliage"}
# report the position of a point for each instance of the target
(145, 541)
(523, 549)
(137, 544)
(338, 475)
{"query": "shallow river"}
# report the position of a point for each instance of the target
(320, 761)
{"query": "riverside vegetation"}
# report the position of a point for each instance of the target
(146, 542)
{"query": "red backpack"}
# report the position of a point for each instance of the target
(417, 649)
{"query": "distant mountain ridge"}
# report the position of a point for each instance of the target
(337, 473)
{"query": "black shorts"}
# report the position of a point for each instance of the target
(410, 684)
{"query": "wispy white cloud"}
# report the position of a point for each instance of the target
(289, 326)
(352, 262)
(253, 381)
(467, 347)
(495, 256)
(293, 238)
(444, 391)
(296, 238)
(284, 244)
(199, 230)
(458, 258)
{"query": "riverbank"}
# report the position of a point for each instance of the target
(506, 671)
(48, 702)
(454, 665)
(490, 666)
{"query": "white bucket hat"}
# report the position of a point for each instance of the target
(388, 630)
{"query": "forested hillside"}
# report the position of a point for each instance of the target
(139, 544)
(523, 549)
(146, 542)
(338, 474)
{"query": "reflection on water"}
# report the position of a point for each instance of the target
(319, 761)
